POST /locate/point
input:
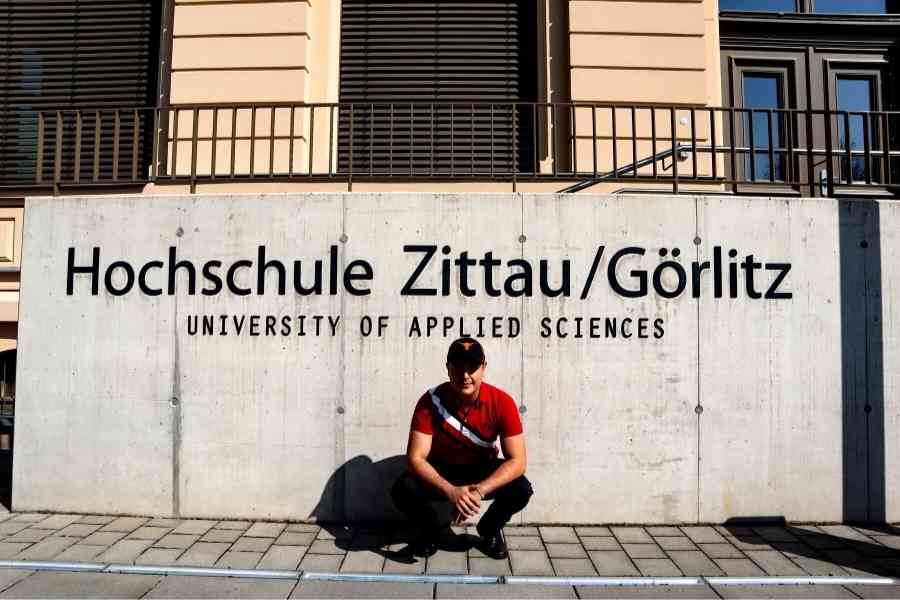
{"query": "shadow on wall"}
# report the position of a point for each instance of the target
(862, 363)
(360, 490)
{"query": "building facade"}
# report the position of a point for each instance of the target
(786, 99)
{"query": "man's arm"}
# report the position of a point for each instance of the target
(510, 469)
(465, 501)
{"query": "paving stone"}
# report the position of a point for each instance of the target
(694, 562)
(325, 547)
(96, 520)
(194, 527)
(573, 567)
(269, 530)
(322, 563)
(875, 591)
(148, 532)
(80, 553)
(489, 566)
(361, 541)
(750, 543)
(380, 589)
(600, 543)
(804, 530)
(657, 567)
(521, 531)
(334, 533)
(845, 532)
(239, 560)
(11, 527)
(234, 525)
(56, 521)
(447, 563)
(792, 549)
(775, 534)
(49, 584)
(675, 543)
(10, 576)
(530, 562)
(104, 538)
(30, 536)
(124, 551)
(774, 562)
(398, 562)
(643, 551)
(558, 535)
(593, 531)
(29, 517)
(632, 535)
(303, 527)
(733, 531)
(613, 563)
(252, 544)
(46, 549)
(10, 549)
(159, 556)
(202, 554)
(739, 567)
(289, 538)
(664, 531)
(125, 524)
(824, 542)
(78, 530)
(566, 551)
(721, 551)
(490, 590)
(815, 566)
(169, 523)
(175, 540)
(694, 592)
(703, 535)
(284, 558)
(783, 591)
(524, 543)
(362, 561)
(221, 587)
(221, 535)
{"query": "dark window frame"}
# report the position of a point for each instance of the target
(808, 7)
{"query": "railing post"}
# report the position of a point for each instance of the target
(674, 133)
(57, 153)
(829, 151)
(76, 175)
(350, 154)
(515, 148)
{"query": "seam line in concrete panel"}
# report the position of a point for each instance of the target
(699, 390)
(341, 408)
(175, 402)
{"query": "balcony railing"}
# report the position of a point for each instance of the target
(772, 151)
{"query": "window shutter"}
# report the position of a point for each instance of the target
(477, 55)
(76, 54)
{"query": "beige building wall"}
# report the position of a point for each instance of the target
(263, 52)
(641, 52)
(11, 224)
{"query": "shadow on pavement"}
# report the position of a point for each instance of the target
(852, 551)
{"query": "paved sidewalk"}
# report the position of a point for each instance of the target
(795, 550)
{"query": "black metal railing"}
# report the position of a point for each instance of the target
(741, 150)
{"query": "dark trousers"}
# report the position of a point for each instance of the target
(413, 497)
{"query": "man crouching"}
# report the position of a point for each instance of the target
(452, 454)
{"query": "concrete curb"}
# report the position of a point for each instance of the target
(29, 565)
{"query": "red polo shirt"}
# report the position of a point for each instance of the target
(464, 435)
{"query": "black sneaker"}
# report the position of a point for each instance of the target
(425, 546)
(494, 545)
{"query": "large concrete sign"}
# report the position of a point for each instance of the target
(675, 359)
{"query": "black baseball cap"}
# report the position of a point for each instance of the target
(465, 351)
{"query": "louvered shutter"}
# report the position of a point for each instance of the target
(471, 58)
(84, 54)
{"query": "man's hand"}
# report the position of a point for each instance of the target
(466, 502)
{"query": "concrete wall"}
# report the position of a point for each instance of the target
(744, 407)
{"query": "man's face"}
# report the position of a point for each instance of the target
(465, 378)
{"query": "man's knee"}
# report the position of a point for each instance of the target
(518, 492)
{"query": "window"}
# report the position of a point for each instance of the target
(432, 84)
(762, 129)
(759, 5)
(855, 94)
(855, 6)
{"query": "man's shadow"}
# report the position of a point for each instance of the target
(853, 551)
(356, 508)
